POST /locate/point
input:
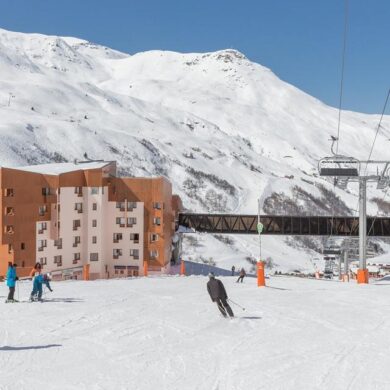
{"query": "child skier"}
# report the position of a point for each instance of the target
(46, 281)
(11, 281)
(36, 293)
(242, 275)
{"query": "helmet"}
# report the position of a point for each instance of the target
(211, 275)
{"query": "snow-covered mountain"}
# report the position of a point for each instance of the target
(225, 130)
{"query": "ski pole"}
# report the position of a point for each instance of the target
(18, 289)
(235, 303)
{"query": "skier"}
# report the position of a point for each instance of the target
(218, 295)
(36, 293)
(242, 275)
(11, 281)
(233, 269)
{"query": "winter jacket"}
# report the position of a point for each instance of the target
(242, 272)
(38, 280)
(216, 289)
(11, 277)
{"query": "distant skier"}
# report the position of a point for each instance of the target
(218, 295)
(233, 269)
(11, 281)
(242, 275)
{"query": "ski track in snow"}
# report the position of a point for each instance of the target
(165, 333)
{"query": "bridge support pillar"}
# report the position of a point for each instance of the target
(260, 274)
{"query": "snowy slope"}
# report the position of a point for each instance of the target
(165, 333)
(225, 130)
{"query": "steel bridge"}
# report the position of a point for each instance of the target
(283, 225)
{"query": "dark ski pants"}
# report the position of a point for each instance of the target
(240, 278)
(11, 293)
(224, 307)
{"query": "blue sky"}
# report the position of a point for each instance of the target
(300, 40)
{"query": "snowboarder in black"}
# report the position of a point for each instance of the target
(218, 295)
(233, 269)
(242, 275)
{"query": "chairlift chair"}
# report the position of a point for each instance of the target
(339, 166)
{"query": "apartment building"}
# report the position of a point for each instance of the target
(81, 217)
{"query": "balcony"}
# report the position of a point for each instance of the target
(122, 225)
(41, 248)
(79, 211)
(75, 244)
(136, 257)
(116, 257)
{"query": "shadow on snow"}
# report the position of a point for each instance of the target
(8, 348)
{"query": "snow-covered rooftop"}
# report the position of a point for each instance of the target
(59, 168)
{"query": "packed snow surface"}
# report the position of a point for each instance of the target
(165, 333)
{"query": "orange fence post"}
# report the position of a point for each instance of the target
(145, 268)
(182, 268)
(86, 272)
(260, 274)
(362, 276)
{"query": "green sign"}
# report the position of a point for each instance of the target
(260, 227)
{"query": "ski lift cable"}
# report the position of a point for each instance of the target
(377, 129)
(346, 10)
(369, 156)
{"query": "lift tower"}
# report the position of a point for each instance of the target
(348, 169)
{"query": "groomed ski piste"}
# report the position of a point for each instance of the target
(165, 333)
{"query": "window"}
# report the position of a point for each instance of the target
(94, 190)
(157, 205)
(157, 221)
(131, 221)
(43, 260)
(58, 260)
(134, 253)
(9, 229)
(78, 191)
(76, 241)
(22, 246)
(76, 224)
(153, 254)
(94, 239)
(9, 192)
(78, 207)
(131, 206)
(42, 210)
(120, 205)
(9, 211)
(134, 237)
(58, 243)
(42, 226)
(76, 258)
(120, 221)
(94, 223)
(153, 237)
(117, 237)
(48, 191)
(94, 256)
(116, 253)
(42, 244)
(10, 248)
(94, 206)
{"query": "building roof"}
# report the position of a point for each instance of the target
(59, 168)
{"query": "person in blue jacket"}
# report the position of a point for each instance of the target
(36, 293)
(11, 281)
